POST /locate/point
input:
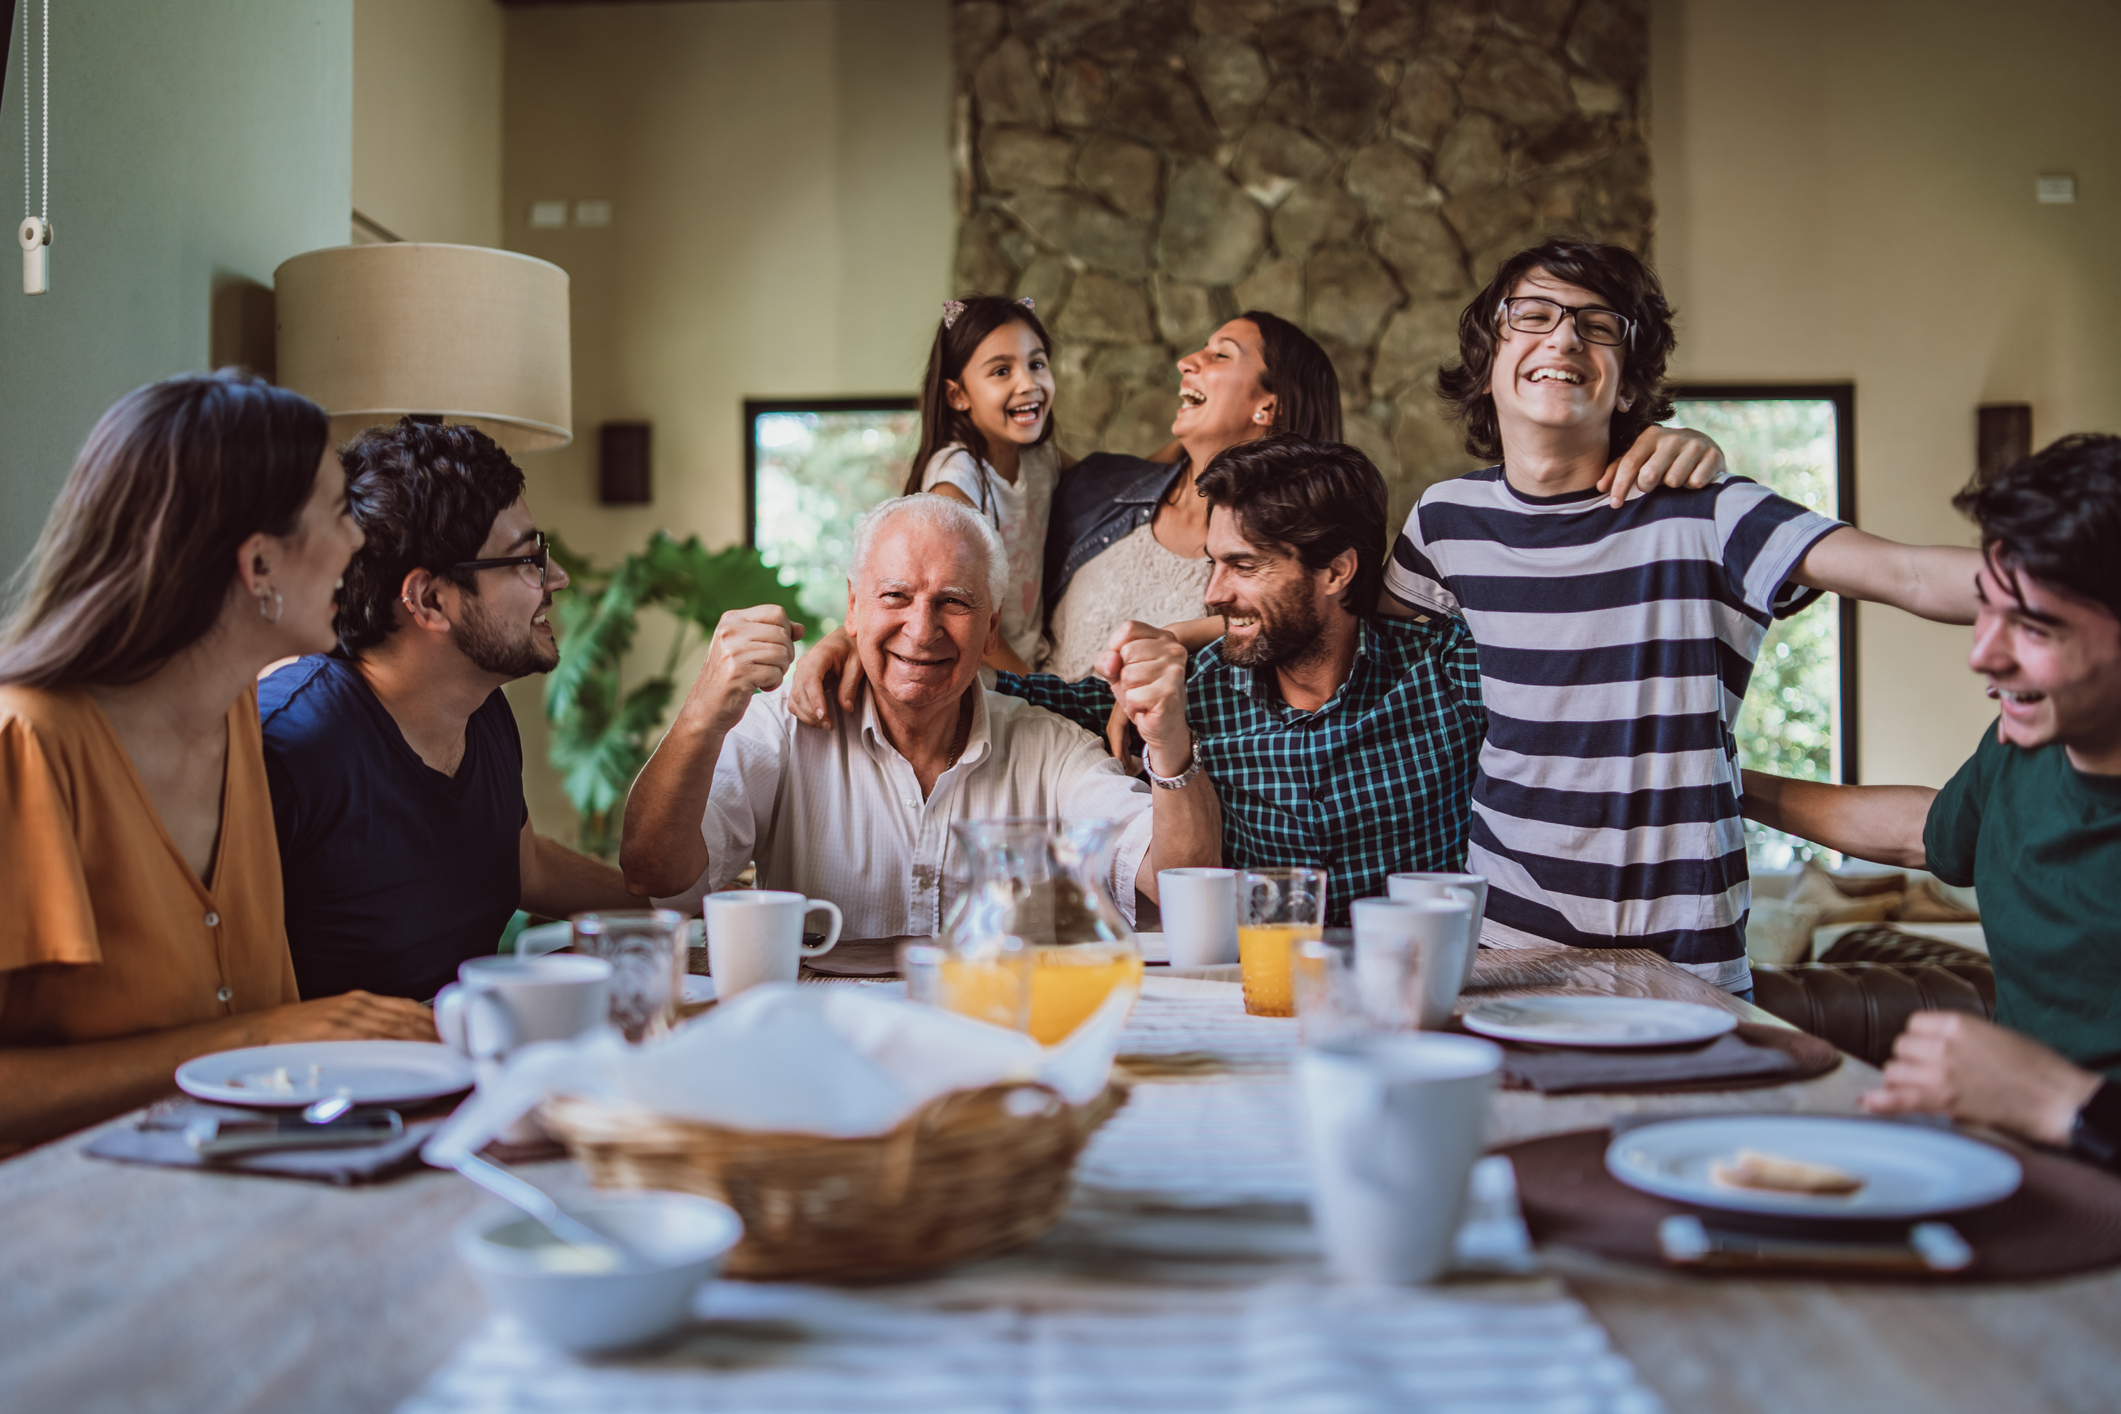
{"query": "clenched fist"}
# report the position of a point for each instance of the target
(749, 654)
(1147, 669)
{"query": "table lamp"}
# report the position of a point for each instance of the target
(441, 333)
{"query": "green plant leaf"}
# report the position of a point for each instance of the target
(601, 737)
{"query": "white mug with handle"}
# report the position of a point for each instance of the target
(756, 935)
(498, 1004)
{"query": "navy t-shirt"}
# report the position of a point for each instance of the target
(394, 872)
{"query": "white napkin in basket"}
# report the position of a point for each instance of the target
(789, 1059)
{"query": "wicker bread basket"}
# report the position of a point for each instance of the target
(971, 1174)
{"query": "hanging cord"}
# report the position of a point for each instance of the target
(44, 209)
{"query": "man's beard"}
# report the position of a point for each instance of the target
(493, 650)
(1290, 630)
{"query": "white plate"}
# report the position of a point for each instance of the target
(371, 1072)
(1599, 1021)
(1908, 1170)
(697, 988)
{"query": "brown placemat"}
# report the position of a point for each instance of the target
(2065, 1218)
(1751, 1056)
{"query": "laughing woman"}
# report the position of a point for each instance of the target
(200, 536)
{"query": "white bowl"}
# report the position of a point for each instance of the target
(682, 1236)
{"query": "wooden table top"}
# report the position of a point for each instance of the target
(135, 1288)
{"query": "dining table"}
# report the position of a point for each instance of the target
(142, 1288)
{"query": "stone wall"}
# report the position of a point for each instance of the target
(1147, 168)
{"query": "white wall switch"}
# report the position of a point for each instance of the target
(2055, 191)
(544, 215)
(592, 213)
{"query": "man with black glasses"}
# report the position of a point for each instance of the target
(1616, 635)
(396, 770)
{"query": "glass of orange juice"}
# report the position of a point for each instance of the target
(1276, 910)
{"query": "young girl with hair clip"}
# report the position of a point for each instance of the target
(987, 441)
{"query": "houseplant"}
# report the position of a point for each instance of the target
(604, 728)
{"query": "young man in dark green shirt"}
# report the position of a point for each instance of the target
(2033, 820)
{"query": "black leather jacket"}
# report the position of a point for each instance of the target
(1100, 499)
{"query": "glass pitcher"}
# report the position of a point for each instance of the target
(1035, 941)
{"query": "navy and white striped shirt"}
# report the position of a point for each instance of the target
(1615, 647)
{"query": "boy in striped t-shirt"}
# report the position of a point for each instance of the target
(1616, 636)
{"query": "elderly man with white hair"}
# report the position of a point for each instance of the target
(860, 813)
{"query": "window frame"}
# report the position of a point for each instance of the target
(755, 407)
(1843, 397)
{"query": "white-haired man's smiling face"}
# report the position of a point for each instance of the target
(921, 614)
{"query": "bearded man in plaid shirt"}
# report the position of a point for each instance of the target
(1336, 738)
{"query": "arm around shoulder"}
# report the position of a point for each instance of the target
(1883, 824)
(1930, 581)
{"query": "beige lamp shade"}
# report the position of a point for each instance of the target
(373, 333)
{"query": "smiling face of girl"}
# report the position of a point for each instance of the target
(1007, 390)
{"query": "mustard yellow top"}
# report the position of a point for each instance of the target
(104, 928)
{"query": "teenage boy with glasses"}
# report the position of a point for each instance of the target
(1615, 635)
(396, 770)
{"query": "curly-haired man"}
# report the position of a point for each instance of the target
(396, 770)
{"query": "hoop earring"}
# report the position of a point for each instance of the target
(279, 606)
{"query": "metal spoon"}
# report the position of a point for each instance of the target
(329, 1108)
(538, 1204)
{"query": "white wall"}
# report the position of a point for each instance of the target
(779, 174)
(194, 147)
(427, 118)
(1845, 191)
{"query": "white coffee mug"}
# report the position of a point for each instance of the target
(1394, 1123)
(756, 935)
(1412, 953)
(1199, 908)
(1421, 886)
(498, 1004)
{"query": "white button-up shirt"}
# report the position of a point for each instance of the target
(838, 814)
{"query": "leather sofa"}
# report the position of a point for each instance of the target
(1862, 991)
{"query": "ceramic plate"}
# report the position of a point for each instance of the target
(1908, 1170)
(371, 1072)
(697, 988)
(1599, 1021)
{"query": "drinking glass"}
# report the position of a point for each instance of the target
(646, 950)
(1276, 910)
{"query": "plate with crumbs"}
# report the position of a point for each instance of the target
(366, 1072)
(1832, 1166)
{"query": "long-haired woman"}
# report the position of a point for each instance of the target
(200, 536)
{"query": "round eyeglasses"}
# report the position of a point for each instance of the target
(1595, 324)
(535, 566)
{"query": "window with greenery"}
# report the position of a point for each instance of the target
(1799, 718)
(813, 469)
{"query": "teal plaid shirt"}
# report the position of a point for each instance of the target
(1377, 780)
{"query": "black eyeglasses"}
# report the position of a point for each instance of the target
(537, 561)
(1595, 324)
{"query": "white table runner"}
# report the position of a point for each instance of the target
(1048, 1332)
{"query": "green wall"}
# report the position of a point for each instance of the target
(195, 146)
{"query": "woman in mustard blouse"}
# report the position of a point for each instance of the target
(200, 536)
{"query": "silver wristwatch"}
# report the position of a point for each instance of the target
(1179, 781)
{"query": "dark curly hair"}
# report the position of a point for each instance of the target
(1313, 498)
(1617, 276)
(2056, 515)
(426, 496)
